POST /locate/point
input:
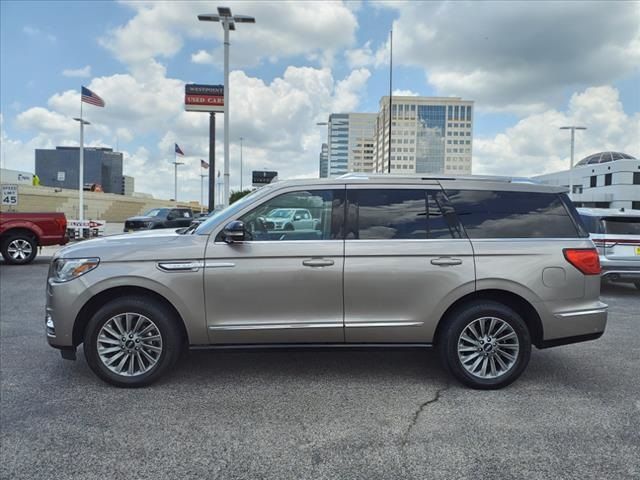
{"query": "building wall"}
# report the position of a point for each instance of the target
(324, 161)
(102, 166)
(128, 185)
(623, 190)
(362, 128)
(428, 135)
(97, 205)
(338, 141)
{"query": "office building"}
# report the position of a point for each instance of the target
(350, 143)
(59, 167)
(601, 180)
(431, 135)
(324, 161)
(128, 185)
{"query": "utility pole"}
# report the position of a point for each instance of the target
(573, 140)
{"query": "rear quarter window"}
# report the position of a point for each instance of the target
(502, 214)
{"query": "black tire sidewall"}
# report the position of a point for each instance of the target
(456, 323)
(5, 249)
(171, 339)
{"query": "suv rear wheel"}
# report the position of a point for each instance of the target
(19, 249)
(132, 341)
(485, 345)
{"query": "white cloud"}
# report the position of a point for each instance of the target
(84, 72)
(202, 57)
(535, 145)
(405, 93)
(282, 29)
(32, 31)
(513, 55)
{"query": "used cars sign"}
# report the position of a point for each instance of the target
(204, 98)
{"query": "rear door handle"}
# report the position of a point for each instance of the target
(446, 261)
(317, 262)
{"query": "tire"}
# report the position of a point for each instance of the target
(494, 355)
(637, 284)
(142, 358)
(19, 249)
(288, 227)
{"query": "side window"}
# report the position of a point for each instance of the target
(274, 219)
(397, 214)
(174, 213)
(495, 214)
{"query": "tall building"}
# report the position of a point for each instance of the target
(324, 161)
(601, 180)
(350, 143)
(128, 185)
(59, 167)
(428, 135)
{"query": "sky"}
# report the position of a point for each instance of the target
(530, 67)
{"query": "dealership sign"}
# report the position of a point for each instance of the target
(203, 98)
(262, 177)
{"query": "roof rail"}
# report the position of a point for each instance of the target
(422, 176)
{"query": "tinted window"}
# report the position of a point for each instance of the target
(591, 223)
(622, 226)
(396, 214)
(593, 181)
(490, 214)
(274, 219)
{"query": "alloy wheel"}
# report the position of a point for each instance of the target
(19, 249)
(488, 347)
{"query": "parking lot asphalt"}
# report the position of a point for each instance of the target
(345, 414)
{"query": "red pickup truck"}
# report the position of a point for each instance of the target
(22, 233)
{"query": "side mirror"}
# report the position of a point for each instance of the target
(233, 231)
(297, 217)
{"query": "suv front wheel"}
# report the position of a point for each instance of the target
(485, 345)
(132, 341)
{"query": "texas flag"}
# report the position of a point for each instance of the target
(203, 164)
(179, 151)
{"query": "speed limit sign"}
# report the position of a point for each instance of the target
(10, 194)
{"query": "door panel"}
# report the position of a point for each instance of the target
(279, 286)
(392, 286)
(259, 292)
(404, 254)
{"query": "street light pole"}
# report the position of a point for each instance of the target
(573, 140)
(81, 171)
(228, 21)
(175, 176)
(241, 139)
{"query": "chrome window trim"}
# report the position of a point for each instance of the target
(382, 324)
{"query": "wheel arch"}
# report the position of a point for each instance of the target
(101, 298)
(21, 230)
(512, 300)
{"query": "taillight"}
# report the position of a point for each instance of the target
(584, 259)
(62, 223)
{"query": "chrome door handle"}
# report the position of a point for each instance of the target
(446, 261)
(317, 262)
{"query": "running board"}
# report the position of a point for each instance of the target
(270, 346)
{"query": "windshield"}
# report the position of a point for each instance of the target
(231, 209)
(155, 212)
(622, 226)
(280, 213)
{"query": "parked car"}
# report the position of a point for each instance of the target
(481, 269)
(22, 233)
(160, 218)
(616, 234)
(291, 219)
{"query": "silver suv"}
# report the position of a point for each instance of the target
(479, 268)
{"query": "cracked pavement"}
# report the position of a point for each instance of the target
(575, 412)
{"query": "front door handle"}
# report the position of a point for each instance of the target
(446, 261)
(317, 262)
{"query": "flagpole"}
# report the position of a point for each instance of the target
(175, 175)
(201, 186)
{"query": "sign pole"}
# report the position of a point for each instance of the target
(212, 161)
(225, 25)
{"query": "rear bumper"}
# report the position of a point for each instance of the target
(574, 326)
(616, 270)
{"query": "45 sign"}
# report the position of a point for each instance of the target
(10, 194)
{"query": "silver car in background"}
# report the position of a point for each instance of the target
(616, 234)
(481, 269)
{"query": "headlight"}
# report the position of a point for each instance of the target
(65, 269)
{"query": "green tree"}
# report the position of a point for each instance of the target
(235, 196)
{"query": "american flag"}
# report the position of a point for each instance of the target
(203, 164)
(90, 97)
(178, 150)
